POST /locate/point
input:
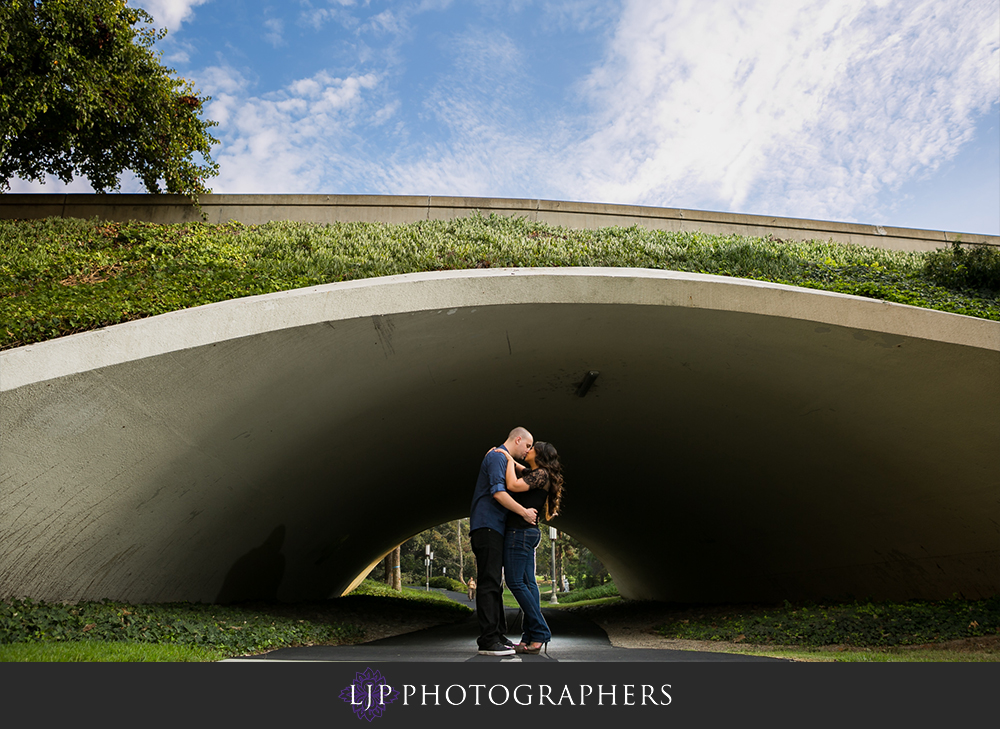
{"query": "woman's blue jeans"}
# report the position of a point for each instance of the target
(519, 573)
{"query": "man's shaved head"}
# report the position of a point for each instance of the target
(519, 442)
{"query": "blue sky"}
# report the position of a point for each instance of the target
(881, 112)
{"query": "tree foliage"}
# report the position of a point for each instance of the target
(444, 543)
(573, 559)
(82, 92)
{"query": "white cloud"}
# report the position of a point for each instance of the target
(318, 17)
(811, 109)
(387, 22)
(226, 87)
(485, 55)
(808, 112)
(481, 139)
(178, 56)
(169, 13)
(430, 5)
(579, 15)
(128, 183)
(222, 80)
(274, 28)
(386, 113)
(287, 141)
(394, 21)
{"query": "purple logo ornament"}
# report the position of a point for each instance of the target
(369, 694)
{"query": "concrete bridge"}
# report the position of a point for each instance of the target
(742, 441)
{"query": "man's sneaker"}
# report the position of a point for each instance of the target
(497, 649)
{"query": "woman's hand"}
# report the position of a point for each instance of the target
(501, 450)
(511, 480)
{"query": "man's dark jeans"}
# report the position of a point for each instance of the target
(487, 545)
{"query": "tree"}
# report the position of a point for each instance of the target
(582, 565)
(393, 578)
(451, 550)
(83, 93)
(461, 554)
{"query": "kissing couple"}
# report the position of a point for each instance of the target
(518, 481)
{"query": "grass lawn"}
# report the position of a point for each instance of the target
(862, 631)
(112, 631)
(914, 631)
(859, 631)
(105, 652)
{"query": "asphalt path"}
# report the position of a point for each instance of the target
(574, 639)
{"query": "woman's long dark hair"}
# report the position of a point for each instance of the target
(547, 457)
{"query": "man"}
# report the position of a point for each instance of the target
(488, 516)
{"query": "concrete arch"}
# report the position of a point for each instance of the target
(743, 441)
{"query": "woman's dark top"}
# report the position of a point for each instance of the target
(533, 498)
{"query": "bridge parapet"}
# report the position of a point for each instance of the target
(255, 209)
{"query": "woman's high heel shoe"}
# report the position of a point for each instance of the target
(532, 649)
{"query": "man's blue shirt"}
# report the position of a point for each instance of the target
(486, 511)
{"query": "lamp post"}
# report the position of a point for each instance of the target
(427, 566)
(553, 534)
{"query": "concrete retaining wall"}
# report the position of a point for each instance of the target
(253, 209)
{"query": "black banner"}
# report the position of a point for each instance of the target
(381, 694)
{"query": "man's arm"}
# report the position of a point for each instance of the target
(507, 501)
(498, 476)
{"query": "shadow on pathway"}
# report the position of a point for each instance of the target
(575, 639)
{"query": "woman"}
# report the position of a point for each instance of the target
(537, 487)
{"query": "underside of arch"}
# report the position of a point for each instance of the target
(742, 441)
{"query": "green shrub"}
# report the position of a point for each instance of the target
(235, 630)
(417, 595)
(608, 589)
(59, 277)
(375, 588)
(975, 268)
(864, 623)
(447, 583)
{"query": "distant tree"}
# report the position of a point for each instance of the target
(83, 93)
(579, 563)
(445, 544)
(393, 578)
(461, 551)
